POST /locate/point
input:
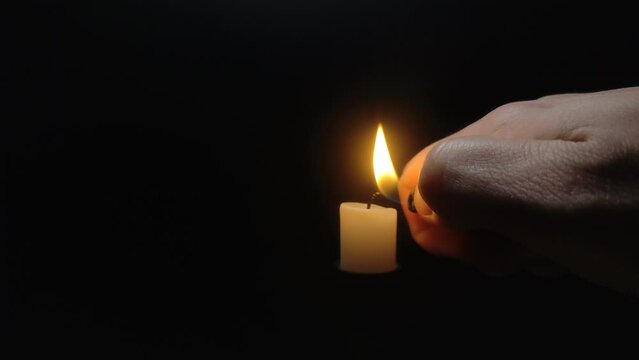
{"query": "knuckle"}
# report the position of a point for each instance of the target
(555, 98)
(512, 110)
(551, 98)
(511, 113)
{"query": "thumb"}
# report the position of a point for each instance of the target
(502, 185)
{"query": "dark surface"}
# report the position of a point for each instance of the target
(172, 171)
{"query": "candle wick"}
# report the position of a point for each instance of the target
(373, 197)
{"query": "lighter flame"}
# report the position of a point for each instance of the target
(385, 174)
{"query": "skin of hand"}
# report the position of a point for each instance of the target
(554, 179)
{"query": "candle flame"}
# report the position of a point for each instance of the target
(385, 174)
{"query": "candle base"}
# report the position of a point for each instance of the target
(339, 267)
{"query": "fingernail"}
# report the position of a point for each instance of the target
(411, 201)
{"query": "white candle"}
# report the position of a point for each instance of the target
(367, 238)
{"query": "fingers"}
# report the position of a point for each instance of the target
(491, 253)
(519, 120)
(480, 178)
(495, 184)
(426, 229)
(534, 172)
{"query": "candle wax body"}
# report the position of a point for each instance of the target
(367, 238)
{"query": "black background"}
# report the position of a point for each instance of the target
(172, 171)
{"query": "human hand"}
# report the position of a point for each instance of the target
(555, 178)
